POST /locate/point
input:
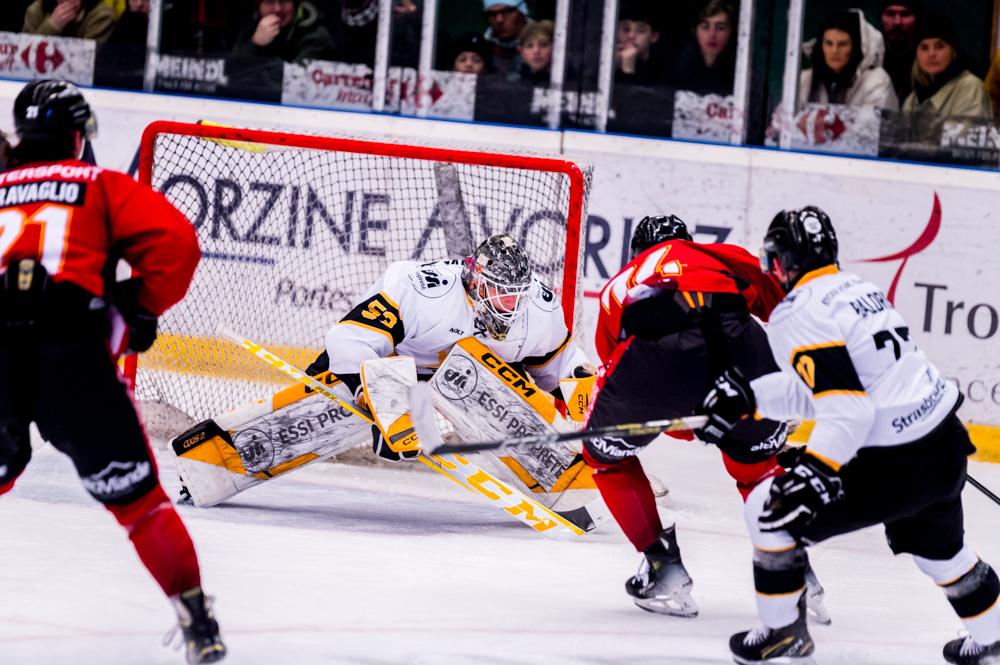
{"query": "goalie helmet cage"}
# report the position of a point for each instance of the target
(296, 228)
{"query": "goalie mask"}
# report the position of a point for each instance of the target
(497, 277)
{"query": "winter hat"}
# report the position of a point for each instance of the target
(519, 5)
(915, 6)
(936, 26)
(476, 43)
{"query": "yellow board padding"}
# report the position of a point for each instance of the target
(986, 438)
(218, 357)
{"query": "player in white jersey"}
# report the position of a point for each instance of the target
(887, 446)
(422, 310)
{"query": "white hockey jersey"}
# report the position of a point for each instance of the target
(849, 362)
(422, 310)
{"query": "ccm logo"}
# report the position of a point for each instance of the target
(504, 371)
(194, 440)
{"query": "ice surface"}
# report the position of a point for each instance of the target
(340, 564)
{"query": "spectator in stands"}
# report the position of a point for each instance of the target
(846, 65)
(899, 18)
(133, 24)
(118, 6)
(87, 19)
(472, 54)
(707, 62)
(286, 29)
(506, 21)
(992, 86)
(535, 49)
(942, 87)
(637, 60)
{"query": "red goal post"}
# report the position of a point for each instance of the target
(295, 227)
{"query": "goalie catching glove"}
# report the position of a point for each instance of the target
(798, 495)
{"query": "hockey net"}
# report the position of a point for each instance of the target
(295, 228)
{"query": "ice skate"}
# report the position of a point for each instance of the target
(966, 651)
(789, 645)
(202, 642)
(662, 584)
(816, 611)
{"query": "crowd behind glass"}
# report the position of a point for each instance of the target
(904, 59)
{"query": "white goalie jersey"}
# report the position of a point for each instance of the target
(421, 310)
(848, 361)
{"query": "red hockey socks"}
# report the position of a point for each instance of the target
(629, 497)
(161, 541)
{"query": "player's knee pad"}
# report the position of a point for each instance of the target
(132, 514)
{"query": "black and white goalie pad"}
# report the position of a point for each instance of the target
(224, 456)
(485, 398)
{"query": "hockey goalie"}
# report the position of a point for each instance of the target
(487, 333)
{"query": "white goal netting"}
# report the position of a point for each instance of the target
(294, 229)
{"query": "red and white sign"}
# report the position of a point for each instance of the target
(25, 56)
(349, 87)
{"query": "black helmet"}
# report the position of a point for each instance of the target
(45, 108)
(654, 230)
(497, 277)
(796, 242)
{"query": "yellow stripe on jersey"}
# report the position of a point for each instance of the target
(827, 369)
(541, 361)
(379, 313)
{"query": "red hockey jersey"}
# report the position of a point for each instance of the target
(685, 266)
(73, 218)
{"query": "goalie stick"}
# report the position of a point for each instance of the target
(454, 467)
(422, 412)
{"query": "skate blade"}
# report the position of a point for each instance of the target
(676, 606)
(818, 614)
(816, 611)
(783, 660)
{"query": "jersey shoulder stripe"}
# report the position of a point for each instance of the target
(826, 369)
(379, 313)
(536, 362)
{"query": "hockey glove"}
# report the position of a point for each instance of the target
(729, 401)
(141, 322)
(799, 494)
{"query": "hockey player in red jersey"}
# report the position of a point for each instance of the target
(64, 225)
(670, 322)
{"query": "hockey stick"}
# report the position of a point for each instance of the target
(983, 488)
(454, 467)
(421, 410)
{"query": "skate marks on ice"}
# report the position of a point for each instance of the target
(346, 591)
